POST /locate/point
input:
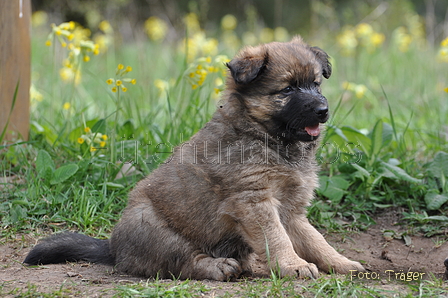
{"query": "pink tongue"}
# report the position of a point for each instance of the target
(313, 130)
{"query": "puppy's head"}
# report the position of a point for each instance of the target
(279, 86)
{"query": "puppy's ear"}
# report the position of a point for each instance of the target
(322, 57)
(248, 65)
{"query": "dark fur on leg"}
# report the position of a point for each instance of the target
(70, 247)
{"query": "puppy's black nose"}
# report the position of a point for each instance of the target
(321, 111)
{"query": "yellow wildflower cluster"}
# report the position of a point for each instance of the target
(35, 95)
(76, 39)
(39, 18)
(443, 51)
(361, 35)
(358, 89)
(156, 28)
(104, 41)
(197, 72)
(230, 39)
(118, 82)
(413, 33)
(197, 44)
(95, 140)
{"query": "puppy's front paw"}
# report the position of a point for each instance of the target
(301, 271)
(344, 266)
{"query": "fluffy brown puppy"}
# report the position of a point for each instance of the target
(238, 187)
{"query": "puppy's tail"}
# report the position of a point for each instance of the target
(70, 247)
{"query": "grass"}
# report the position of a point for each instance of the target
(385, 146)
(326, 286)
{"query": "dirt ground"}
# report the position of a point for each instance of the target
(388, 260)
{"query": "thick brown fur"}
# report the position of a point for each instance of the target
(240, 185)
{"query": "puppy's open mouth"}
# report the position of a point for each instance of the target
(313, 130)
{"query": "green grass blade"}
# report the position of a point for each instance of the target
(10, 111)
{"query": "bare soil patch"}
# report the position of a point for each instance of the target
(388, 260)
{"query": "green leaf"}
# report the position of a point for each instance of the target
(333, 188)
(407, 240)
(388, 134)
(377, 139)
(63, 173)
(361, 170)
(434, 200)
(100, 126)
(439, 166)
(438, 217)
(357, 137)
(112, 185)
(400, 173)
(44, 164)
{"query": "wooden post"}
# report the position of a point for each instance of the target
(15, 64)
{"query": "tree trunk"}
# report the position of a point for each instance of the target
(15, 64)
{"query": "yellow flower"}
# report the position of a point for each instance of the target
(118, 83)
(218, 82)
(249, 38)
(266, 35)
(105, 27)
(120, 66)
(444, 42)
(133, 81)
(192, 22)
(156, 28)
(92, 149)
(377, 39)
(210, 47)
(67, 74)
(48, 43)
(347, 41)
(96, 49)
(194, 86)
(281, 34)
(114, 89)
(87, 129)
(346, 85)
(86, 58)
(35, 95)
(364, 29)
(39, 18)
(360, 90)
(128, 69)
(228, 22)
(66, 106)
(446, 89)
(110, 81)
(124, 89)
(161, 84)
(102, 144)
(80, 140)
(104, 137)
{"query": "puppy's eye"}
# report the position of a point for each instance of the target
(287, 90)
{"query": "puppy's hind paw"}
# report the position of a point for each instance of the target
(230, 269)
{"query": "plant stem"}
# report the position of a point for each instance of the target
(113, 149)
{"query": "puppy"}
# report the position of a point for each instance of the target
(238, 188)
